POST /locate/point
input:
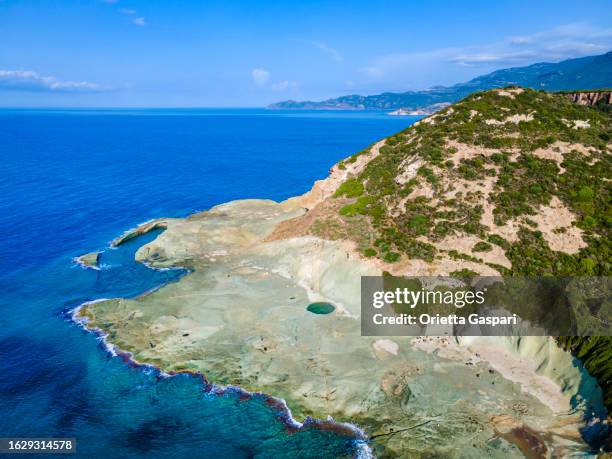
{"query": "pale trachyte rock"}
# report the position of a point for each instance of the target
(591, 98)
(509, 92)
(89, 260)
(516, 119)
(240, 318)
(559, 150)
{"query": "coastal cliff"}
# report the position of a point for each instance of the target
(591, 98)
(509, 181)
(599, 98)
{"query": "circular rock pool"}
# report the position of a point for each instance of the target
(321, 308)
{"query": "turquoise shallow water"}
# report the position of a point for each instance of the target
(70, 181)
(321, 308)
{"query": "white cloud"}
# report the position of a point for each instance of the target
(284, 85)
(404, 69)
(565, 42)
(139, 21)
(260, 76)
(377, 71)
(332, 52)
(420, 69)
(127, 11)
(27, 80)
(520, 40)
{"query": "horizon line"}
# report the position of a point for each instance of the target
(72, 107)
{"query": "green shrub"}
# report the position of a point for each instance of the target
(588, 265)
(482, 246)
(588, 222)
(498, 240)
(348, 210)
(369, 252)
(419, 223)
(586, 194)
(391, 257)
(352, 188)
(464, 273)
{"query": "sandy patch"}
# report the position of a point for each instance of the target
(509, 92)
(442, 266)
(326, 211)
(581, 124)
(400, 207)
(527, 367)
(465, 243)
(522, 370)
(557, 216)
(557, 150)
(424, 189)
(576, 124)
(385, 347)
(516, 119)
(429, 120)
(408, 169)
(509, 231)
(465, 151)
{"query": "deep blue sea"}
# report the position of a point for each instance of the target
(72, 180)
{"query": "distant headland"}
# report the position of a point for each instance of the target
(591, 72)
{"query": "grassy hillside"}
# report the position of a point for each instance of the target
(472, 144)
(514, 181)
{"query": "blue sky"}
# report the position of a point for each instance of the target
(149, 53)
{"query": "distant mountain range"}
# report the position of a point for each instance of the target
(590, 72)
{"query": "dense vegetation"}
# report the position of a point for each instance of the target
(407, 218)
(523, 181)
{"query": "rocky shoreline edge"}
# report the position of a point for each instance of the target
(241, 226)
(282, 410)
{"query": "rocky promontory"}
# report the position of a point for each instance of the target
(509, 181)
